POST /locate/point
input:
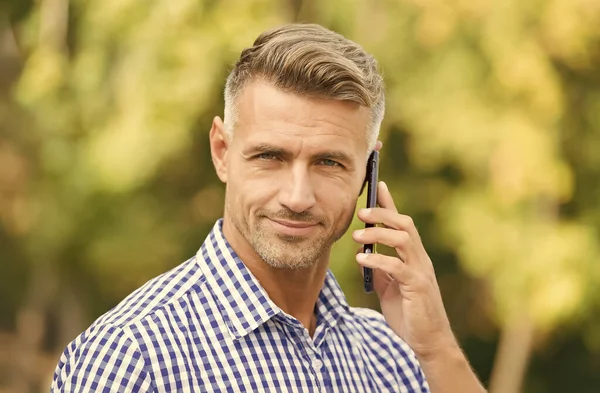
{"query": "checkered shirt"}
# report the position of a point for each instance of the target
(209, 326)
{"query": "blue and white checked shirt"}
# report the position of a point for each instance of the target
(208, 326)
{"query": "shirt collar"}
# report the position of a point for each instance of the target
(332, 303)
(242, 301)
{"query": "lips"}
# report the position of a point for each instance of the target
(293, 228)
(294, 224)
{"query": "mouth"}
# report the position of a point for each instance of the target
(293, 228)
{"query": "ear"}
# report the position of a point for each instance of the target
(219, 145)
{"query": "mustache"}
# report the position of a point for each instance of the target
(287, 214)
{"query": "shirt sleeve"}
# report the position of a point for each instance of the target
(103, 359)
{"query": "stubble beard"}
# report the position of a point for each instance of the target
(287, 252)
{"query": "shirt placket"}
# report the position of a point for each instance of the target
(312, 355)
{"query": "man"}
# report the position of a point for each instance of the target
(257, 310)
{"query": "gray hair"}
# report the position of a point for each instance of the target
(310, 60)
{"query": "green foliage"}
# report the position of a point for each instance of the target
(491, 142)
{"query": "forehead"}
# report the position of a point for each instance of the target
(265, 111)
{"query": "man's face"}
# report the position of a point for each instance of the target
(295, 167)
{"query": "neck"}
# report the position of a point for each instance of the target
(294, 291)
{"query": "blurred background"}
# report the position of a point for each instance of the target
(491, 143)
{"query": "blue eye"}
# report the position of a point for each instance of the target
(330, 163)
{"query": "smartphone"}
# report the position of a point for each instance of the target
(372, 179)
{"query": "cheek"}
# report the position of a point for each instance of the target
(338, 198)
(249, 192)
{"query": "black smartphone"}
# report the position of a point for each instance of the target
(372, 178)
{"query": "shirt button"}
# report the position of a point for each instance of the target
(317, 364)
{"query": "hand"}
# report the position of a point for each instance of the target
(405, 284)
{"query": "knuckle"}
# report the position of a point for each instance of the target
(421, 282)
(407, 221)
(403, 238)
(389, 264)
(399, 266)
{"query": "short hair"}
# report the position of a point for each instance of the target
(312, 61)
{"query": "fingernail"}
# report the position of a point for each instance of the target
(359, 232)
(366, 211)
(361, 257)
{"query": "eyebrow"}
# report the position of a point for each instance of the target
(337, 155)
(265, 148)
(325, 155)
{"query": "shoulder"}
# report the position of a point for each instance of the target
(371, 323)
(385, 345)
(111, 346)
(104, 358)
(368, 315)
(155, 294)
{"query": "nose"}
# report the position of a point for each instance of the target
(297, 192)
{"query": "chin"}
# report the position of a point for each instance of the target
(291, 239)
(286, 253)
(288, 262)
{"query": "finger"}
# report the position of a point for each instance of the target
(384, 197)
(393, 266)
(378, 145)
(358, 251)
(400, 240)
(381, 280)
(388, 236)
(390, 219)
